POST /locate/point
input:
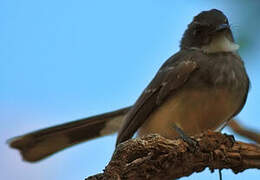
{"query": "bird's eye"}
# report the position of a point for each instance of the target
(200, 24)
(226, 21)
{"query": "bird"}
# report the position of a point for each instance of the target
(201, 87)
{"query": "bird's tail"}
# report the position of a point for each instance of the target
(39, 144)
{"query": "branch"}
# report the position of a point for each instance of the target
(154, 157)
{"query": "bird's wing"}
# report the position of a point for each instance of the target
(169, 79)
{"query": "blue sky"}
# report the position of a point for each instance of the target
(64, 60)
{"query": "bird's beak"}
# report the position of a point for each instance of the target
(222, 27)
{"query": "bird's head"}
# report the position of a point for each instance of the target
(210, 32)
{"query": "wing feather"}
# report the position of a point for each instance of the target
(169, 79)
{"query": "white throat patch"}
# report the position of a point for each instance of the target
(220, 44)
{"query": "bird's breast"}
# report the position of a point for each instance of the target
(193, 111)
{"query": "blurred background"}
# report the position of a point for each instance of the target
(63, 60)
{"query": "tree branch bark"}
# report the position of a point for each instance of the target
(154, 157)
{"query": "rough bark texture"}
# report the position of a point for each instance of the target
(154, 157)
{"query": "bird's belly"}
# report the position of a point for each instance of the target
(193, 111)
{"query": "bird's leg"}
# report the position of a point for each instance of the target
(223, 125)
(186, 138)
(192, 142)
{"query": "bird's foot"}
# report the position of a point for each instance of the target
(193, 144)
